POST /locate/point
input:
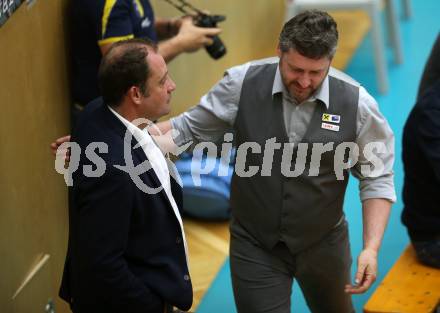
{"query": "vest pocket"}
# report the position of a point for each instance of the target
(338, 234)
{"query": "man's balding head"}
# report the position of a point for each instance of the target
(125, 65)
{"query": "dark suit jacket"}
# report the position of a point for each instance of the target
(421, 162)
(431, 72)
(125, 253)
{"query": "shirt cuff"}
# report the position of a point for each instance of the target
(177, 123)
(378, 188)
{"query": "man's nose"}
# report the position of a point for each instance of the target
(304, 81)
(172, 86)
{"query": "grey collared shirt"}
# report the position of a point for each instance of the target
(217, 110)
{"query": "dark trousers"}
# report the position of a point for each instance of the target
(167, 309)
(428, 251)
(262, 279)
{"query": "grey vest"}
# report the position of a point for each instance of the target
(300, 210)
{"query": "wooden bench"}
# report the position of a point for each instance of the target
(409, 287)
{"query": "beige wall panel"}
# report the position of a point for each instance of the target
(249, 32)
(34, 102)
(35, 294)
(34, 109)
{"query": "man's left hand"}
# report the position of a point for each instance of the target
(366, 273)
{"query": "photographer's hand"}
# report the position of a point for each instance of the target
(190, 38)
(167, 28)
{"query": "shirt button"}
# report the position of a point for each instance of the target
(178, 240)
(186, 277)
(286, 196)
(292, 136)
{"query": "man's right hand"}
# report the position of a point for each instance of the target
(366, 273)
(58, 142)
(191, 38)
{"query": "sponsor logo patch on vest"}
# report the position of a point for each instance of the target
(331, 118)
(331, 127)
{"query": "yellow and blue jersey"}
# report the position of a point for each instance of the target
(124, 19)
(99, 22)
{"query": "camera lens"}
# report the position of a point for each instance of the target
(217, 49)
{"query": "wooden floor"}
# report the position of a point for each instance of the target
(208, 245)
(208, 242)
(409, 287)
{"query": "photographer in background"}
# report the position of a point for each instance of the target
(96, 25)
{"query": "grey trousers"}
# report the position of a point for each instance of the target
(262, 279)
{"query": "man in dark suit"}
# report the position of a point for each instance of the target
(127, 248)
(431, 72)
(421, 162)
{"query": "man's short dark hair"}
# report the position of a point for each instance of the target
(122, 67)
(313, 34)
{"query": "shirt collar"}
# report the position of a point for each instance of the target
(141, 136)
(321, 94)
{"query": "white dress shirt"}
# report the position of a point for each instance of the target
(158, 164)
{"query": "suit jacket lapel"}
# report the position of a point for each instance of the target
(149, 177)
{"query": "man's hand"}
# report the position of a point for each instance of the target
(58, 142)
(375, 213)
(191, 38)
(366, 272)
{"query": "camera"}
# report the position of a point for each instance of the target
(217, 49)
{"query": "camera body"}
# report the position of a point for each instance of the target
(217, 49)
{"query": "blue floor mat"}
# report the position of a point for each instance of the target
(418, 35)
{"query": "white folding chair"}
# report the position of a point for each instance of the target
(407, 9)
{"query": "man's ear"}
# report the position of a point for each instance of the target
(135, 94)
(279, 52)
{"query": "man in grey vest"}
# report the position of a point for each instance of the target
(295, 111)
(293, 226)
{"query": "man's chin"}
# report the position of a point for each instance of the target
(167, 111)
(302, 95)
